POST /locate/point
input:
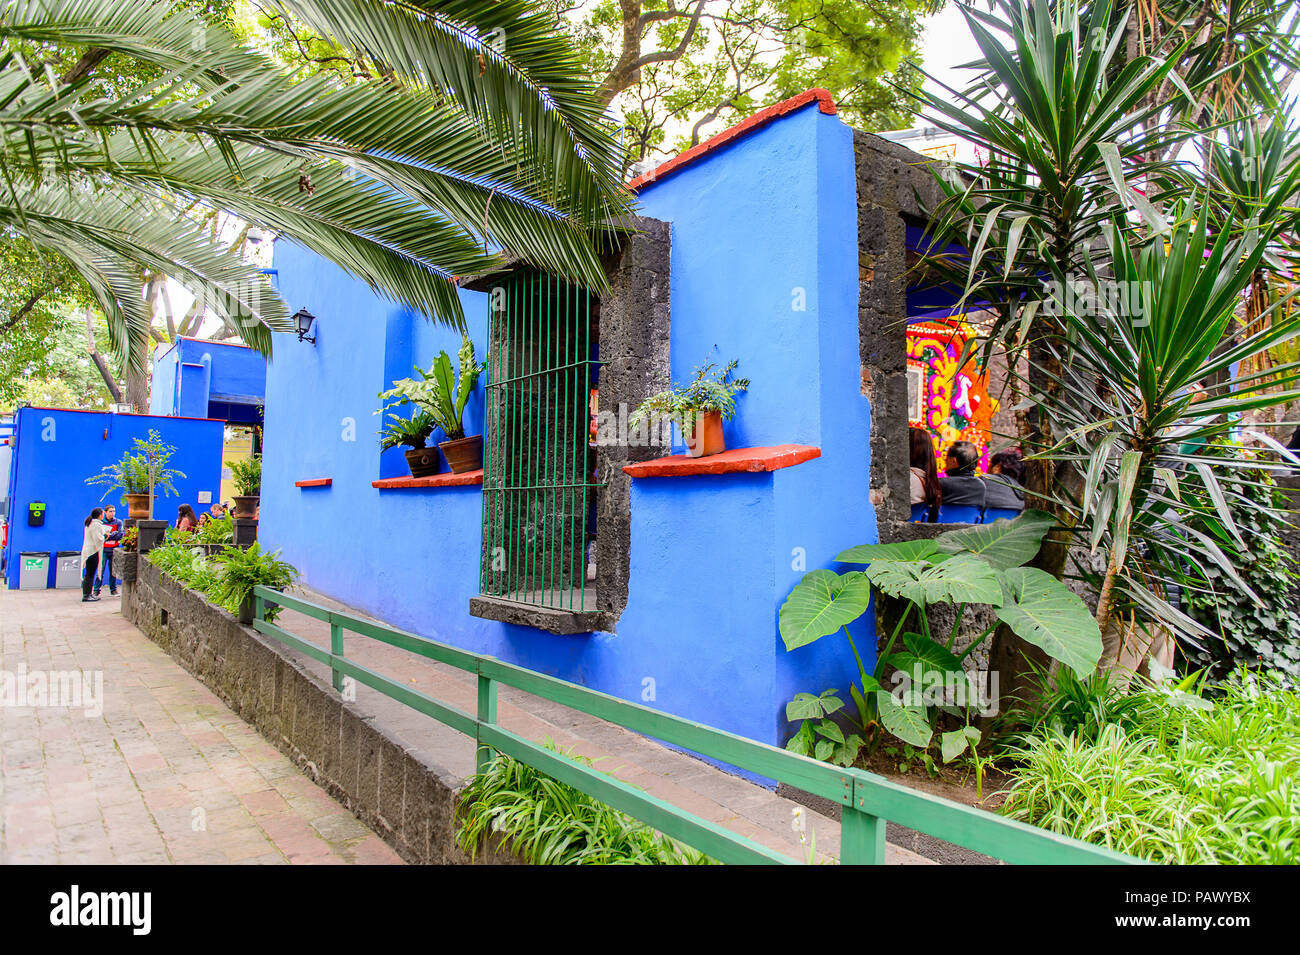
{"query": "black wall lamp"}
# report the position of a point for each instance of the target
(302, 320)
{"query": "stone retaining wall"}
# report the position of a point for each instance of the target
(406, 801)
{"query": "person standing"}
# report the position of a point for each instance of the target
(113, 531)
(92, 545)
(185, 519)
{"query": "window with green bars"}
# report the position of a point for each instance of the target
(539, 487)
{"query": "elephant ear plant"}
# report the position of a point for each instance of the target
(979, 565)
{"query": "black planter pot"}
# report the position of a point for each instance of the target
(246, 609)
(423, 462)
(150, 535)
(245, 533)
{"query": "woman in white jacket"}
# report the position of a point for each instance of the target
(92, 547)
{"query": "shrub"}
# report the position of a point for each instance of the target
(1259, 629)
(547, 822)
(1174, 782)
(228, 577)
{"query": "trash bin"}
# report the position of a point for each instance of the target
(67, 570)
(34, 570)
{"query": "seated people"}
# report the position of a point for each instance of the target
(925, 472)
(1004, 484)
(959, 485)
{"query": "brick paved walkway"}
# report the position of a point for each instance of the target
(165, 773)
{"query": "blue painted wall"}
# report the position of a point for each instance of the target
(201, 379)
(56, 450)
(764, 266)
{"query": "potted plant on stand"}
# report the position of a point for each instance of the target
(140, 475)
(241, 571)
(442, 395)
(247, 475)
(413, 433)
(698, 408)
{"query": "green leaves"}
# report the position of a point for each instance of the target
(820, 604)
(1003, 544)
(960, 579)
(954, 743)
(805, 706)
(455, 151)
(900, 550)
(439, 396)
(1043, 611)
(908, 723)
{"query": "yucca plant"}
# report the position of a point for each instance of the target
(1075, 118)
(477, 133)
(1138, 409)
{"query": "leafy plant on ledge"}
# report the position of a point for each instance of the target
(412, 432)
(142, 471)
(709, 390)
(247, 475)
(977, 565)
(439, 392)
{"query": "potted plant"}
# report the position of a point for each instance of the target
(140, 475)
(413, 433)
(130, 557)
(241, 571)
(441, 394)
(699, 407)
(247, 475)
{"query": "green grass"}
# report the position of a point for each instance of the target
(1172, 781)
(547, 822)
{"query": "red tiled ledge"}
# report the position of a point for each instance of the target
(445, 479)
(314, 482)
(733, 461)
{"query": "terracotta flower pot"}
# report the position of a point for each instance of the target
(246, 505)
(137, 506)
(463, 454)
(706, 437)
(423, 461)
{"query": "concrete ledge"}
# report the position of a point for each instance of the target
(445, 479)
(551, 619)
(407, 800)
(314, 482)
(732, 461)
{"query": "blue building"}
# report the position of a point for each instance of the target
(55, 450)
(619, 564)
(197, 378)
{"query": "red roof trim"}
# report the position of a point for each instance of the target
(734, 461)
(120, 414)
(314, 482)
(445, 479)
(821, 97)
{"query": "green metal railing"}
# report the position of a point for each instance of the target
(536, 485)
(866, 800)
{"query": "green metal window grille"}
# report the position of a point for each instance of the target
(538, 485)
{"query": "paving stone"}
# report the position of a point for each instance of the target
(166, 755)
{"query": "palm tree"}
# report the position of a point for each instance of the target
(478, 135)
